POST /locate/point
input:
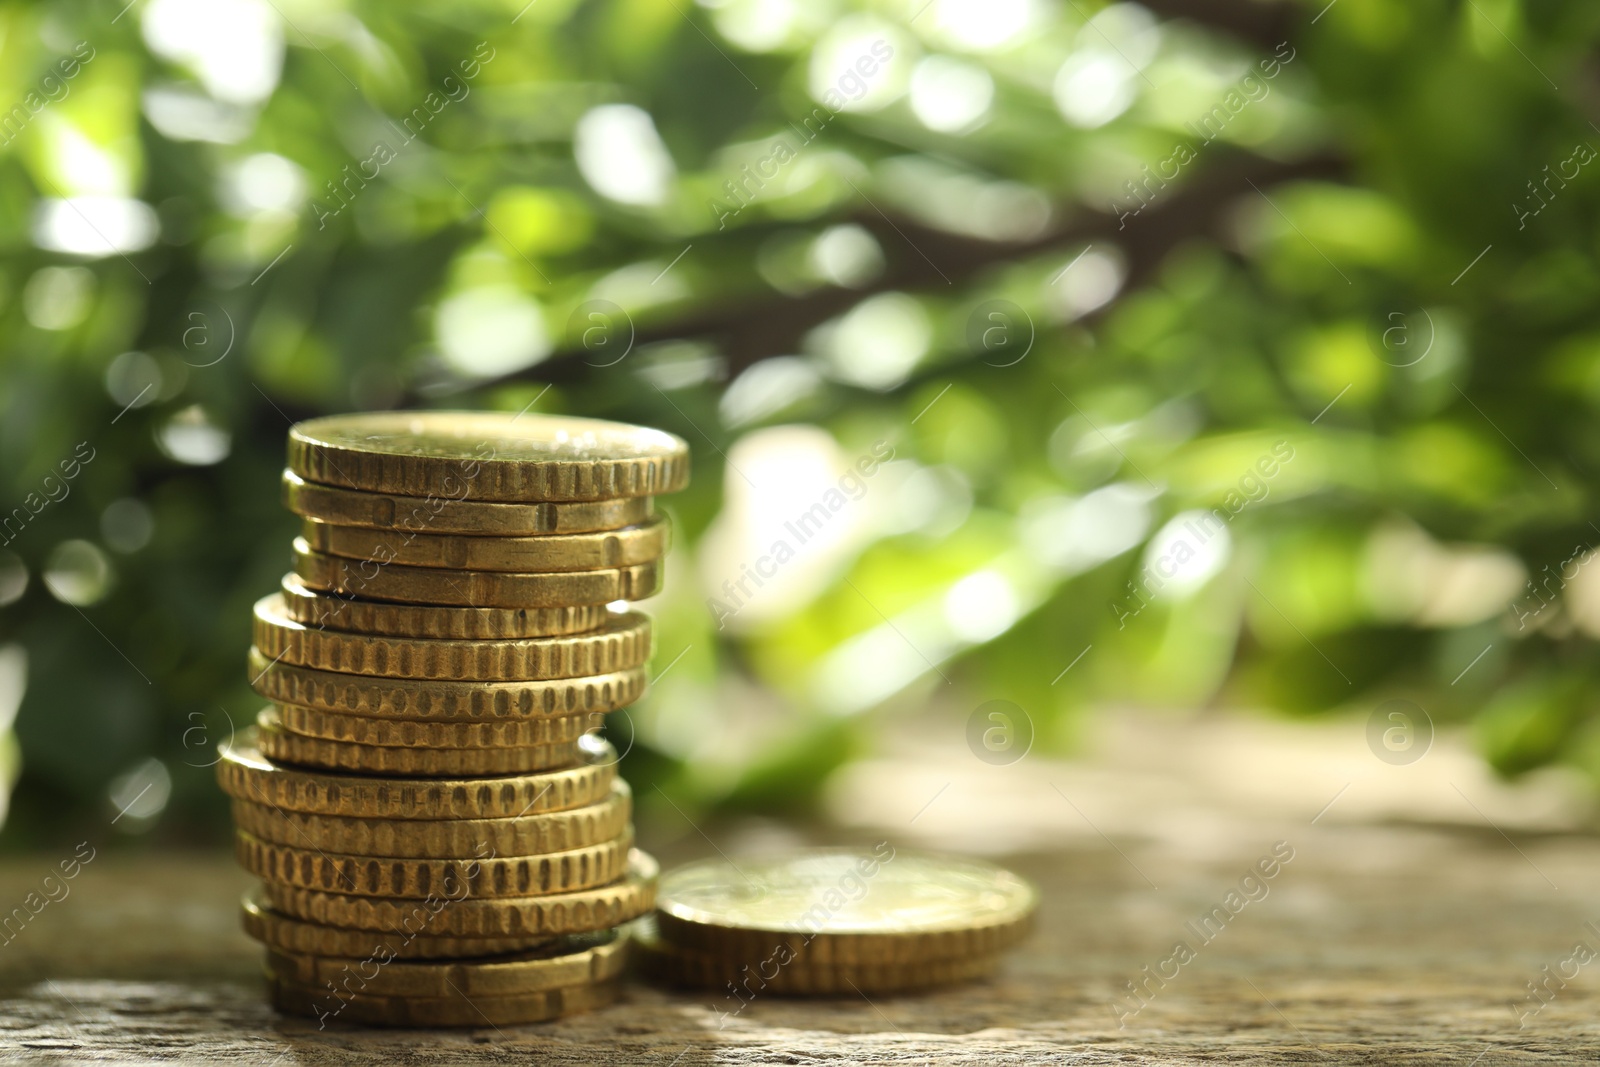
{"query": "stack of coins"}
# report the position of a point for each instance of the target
(832, 922)
(441, 839)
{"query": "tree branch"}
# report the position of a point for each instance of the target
(1265, 25)
(755, 330)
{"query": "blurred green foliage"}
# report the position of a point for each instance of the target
(1086, 270)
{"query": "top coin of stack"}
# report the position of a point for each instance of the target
(833, 921)
(434, 663)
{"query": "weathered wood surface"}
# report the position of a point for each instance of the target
(1373, 946)
(1380, 942)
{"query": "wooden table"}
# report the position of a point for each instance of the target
(1379, 942)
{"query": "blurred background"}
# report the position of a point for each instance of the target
(1227, 374)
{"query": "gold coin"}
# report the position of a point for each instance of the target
(846, 907)
(323, 611)
(483, 876)
(527, 835)
(579, 960)
(438, 698)
(245, 774)
(457, 514)
(453, 588)
(627, 547)
(488, 455)
(458, 914)
(411, 940)
(780, 973)
(283, 746)
(361, 1009)
(623, 642)
(426, 733)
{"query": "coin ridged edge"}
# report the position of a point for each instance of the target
(827, 949)
(624, 643)
(288, 934)
(355, 1008)
(433, 698)
(556, 966)
(445, 586)
(281, 746)
(454, 514)
(589, 867)
(372, 730)
(462, 916)
(785, 975)
(627, 546)
(526, 835)
(316, 609)
(245, 774)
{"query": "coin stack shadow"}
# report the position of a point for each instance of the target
(441, 838)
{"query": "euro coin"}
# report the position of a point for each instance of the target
(456, 913)
(457, 513)
(374, 731)
(782, 974)
(282, 746)
(578, 960)
(325, 611)
(244, 773)
(475, 589)
(525, 835)
(622, 642)
(832, 907)
(410, 940)
(488, 456)
(609, 549)
(483, 876)
(428, 733)
(440, 698)
(326, 1005)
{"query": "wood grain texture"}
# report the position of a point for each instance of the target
(1375, 945)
